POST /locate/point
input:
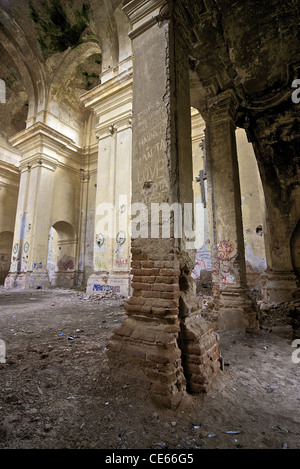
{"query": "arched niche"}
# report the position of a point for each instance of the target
(6, 242)
(61, 255)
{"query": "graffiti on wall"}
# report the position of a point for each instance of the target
(99, 264)
(25, 264)
(100, 239)
(220, 268)
(66, 263)
(222, 265)
(121, 238)
(106, 288)
(121, 263)
(202, 261)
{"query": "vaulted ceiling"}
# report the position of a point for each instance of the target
(251, 46)
(55, 48)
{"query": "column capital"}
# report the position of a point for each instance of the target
(143, 14)
(41, 140)
(222, 106)
(41, 161)
(112, 103)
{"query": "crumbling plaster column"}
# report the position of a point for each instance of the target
(165, 347)
(234, 308)
(112, 103)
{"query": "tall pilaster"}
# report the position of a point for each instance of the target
(9, 188)
(49, 160)
(164, 347)
(29, 256)
(235, 309)
(112, 103)
(82, 228)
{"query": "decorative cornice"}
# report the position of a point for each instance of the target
(112, 103)
(40, 161)
(120, 123)
(29, 137)
(41, 141)
(138, 10)
(143, 14)
(222, 106)
(107, 90)
(9, 174)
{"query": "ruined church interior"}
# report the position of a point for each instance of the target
(149, 156)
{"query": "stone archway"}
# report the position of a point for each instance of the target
(61, 255)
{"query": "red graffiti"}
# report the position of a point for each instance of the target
(121, 262)
(66, 263)
(222, 266)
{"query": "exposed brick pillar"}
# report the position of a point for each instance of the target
(164, 347)
(234, 307)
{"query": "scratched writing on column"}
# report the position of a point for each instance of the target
(151, 144)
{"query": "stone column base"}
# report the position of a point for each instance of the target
(62, 279)
(27, 280)
(279, 287)
(237, 311)
(117, 283)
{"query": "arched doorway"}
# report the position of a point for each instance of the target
(6, 242)
(61, 255)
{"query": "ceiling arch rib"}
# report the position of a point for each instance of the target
(70, 62)
(104, 26)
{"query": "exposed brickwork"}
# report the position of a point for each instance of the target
(200, 352)
(152, 348)
(165, 347)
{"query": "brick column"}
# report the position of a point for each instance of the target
(164, 347)
(234, 307)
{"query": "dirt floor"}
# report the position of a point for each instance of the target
(56, 391)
